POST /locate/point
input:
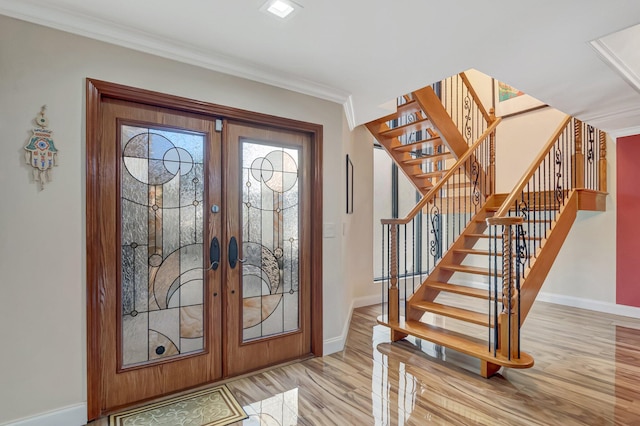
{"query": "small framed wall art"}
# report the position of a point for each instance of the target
(349, 185)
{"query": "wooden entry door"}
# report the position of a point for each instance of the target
(162, 307)
(269, 274)
(183, 286)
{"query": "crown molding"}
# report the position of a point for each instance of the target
(616, 63)
(109, 32)
(349, 113)
(629, 131)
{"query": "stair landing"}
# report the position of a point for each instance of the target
(459, 342)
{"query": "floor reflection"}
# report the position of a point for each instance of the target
(279, 410)
(394, 388)
(627, 408)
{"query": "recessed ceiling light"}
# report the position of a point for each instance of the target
(280, 8)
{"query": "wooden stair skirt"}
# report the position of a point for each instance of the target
(489, 364)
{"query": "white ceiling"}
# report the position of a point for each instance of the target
(362, 53)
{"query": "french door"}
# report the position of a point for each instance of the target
(199, 247)
(268, 314)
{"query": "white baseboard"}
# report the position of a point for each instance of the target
(577, 302)
(336, 344)
(590, 304)
(373, 299)
(74, 415)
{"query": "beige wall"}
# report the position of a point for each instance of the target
(42, 233)
(585, 267)
(358, 238)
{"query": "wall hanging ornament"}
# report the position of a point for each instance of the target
(41, 153)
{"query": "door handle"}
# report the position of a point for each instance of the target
(214, 254)
(233, 253)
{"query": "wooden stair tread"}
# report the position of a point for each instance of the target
(437, 173)
(527, 221)
(527, 237)
(414, 126)
(539, 207)
(476, 252)
(428, 158)
(420, 145)
(457, 341)
(452, 312)
(409, 107)
(453, 187)
(477, 270)
(459, 289)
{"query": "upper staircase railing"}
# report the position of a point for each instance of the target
(414, 245)
(421, 136)
(463, 104)
(573, 158)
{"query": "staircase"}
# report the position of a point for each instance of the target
(468, 263)
(423, 139)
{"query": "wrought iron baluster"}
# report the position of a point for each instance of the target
(591, 156)
(495, 291)
(491, 274)
(435, 230)
(475, 174)
(467, 115)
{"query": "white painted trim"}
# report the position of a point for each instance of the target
(590, 304)
(629, 131)
(619, 114)
(336, 344)
(373, 299)
(73, 415)
(349, 112)
(615, 62)
(109, 32)
(576, 302)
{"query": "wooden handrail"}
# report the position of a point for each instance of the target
(517, 190)
(433, 191)
(475, 97)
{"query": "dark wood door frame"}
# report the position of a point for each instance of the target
(96, 91)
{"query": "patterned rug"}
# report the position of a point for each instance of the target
(211, 407)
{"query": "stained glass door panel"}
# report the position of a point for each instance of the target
(162, 241)
(268, 293)
(270, 237)
(161, 331)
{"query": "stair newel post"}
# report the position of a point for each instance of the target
(602, 163)
(394, 293)
(508, 320)
(492, 155)
(577, 161)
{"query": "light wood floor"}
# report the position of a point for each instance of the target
(587, 372)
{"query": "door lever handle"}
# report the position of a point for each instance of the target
(233, 253)
(214, 254)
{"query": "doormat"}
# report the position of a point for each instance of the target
(210, 407)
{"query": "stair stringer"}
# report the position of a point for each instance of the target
(434, 110)
(450, 135)
(375, 128)
(536, 274)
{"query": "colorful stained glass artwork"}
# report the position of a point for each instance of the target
(162, 275)
(41, 153)
(270, 213)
